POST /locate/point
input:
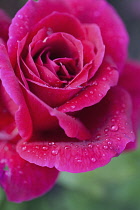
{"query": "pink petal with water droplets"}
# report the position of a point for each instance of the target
(94, 91)
(20, 179)
(110, 124)
(129, 79)
(11, 85)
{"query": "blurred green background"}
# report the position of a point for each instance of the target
(113, 187)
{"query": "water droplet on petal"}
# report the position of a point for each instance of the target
(114, 128)
(24, 148)
(73, 107)
(67, 147)
(54, 152)
(93, 160)
(90, 145)
(45, 148)
(20, 17)
(105, 147)
(91, 92)
(106, 130)
(104, 78)
(86, 95)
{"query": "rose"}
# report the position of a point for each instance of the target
(63, 59)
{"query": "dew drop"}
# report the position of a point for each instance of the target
(37, 147)
(67, 147)
(91, 92)
(45, 148)
(24, 148)
(54, 152)
(73, 107)
(97, 137)
(93, 160)
(86, 95)
(95, 83)
(90, 145)
(106, 130)
(109, 142)
(50, 143)
(104, 78)
(100, 95)
(20, 17)
(108, 68)
(114, 128)
(78, 160)
(105, 147)
(118, 138)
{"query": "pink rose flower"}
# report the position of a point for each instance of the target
(64, 105)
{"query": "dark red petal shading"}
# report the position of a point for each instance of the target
(110, 124)
(130, 80)
(4, 25)
(48, 118)
(106, 77)
(54, 97)
(11, 85)
(20, 179)
(113, 31)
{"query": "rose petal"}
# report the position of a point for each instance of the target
(93, 34)
(26, 18)
(113, 31)
(53, 97)
(94, 92)
(8, 77)
(4, 25)
(21, 180)
(8, 129)
(110, 123)
(130, 81)
(48, 118)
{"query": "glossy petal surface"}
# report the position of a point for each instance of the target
(110, 124)
(20, 179)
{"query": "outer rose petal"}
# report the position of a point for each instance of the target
(110, 124)
(11, 85)
(130, 81)
(104, 79)
(4, 25)
(90, 11)
(22, 180)
(113, 31)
